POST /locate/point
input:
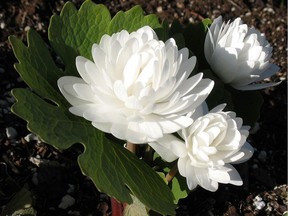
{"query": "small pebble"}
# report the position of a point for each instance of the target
(31, 137)
(258, 202)
(11, 133)
(2, 25)
(27, 28)
(38, 161)
(262, 156)
(35, 178)
(71, 188)
(255, 128)
(76, 213)
(159, 9)
(66, 202)
(2, 70)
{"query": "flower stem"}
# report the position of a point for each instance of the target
(117, 208)
(148, 156)
(131, 147)
(170, 175)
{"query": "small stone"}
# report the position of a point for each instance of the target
(38, 161)
(258, 202)
(31, 137)
(2, 25)
(35, 178)
(255, 128)
(3, 103)
(71, 188)
(27, 28)
(11, 133)
(262, 156)
(75, 213)
(2, 70)
(159, 9)
(66, 202)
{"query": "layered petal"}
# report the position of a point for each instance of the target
(136, 86)
(239, 55)
(208, 146)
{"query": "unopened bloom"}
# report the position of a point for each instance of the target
(136, 87)
(207, 148)
(239, 55)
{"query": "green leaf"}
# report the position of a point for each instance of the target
(219, 93)
(132, 20)
(179, 188)
(74, 32)
(36, 67)
(20, 204)
(163, 31)
(194, 35)
(112, 168)
(247, 105)
(178, 184)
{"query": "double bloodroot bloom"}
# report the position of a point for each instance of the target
(136, 87)
(207, 148)
(239, 55)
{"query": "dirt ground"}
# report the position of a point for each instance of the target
(265, 175)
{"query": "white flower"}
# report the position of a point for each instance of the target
(208, 147)
(239, 55)
(136, 87)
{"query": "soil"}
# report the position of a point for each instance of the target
(264, 176)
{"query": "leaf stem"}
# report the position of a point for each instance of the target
(170, 175)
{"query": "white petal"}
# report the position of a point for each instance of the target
(182, 163)
(189, 84)
(86, 74)
(65, 85)
(99, 56)
(80, 109)
(203, 179)
(271, 70)
(164, 152)
(84, 91)
(190, 178)
(227, 55)
(106, 127)
(131, 70)
(151, 129)
(120, 91)
(209, 45)
(256, 86)
(146, 75)
(242, 155)
(218, 108)
(168, 140)
(174, 123)
(235, 178)
(219, 175)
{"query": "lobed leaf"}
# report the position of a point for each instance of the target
(113, 169)
(132, 20)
